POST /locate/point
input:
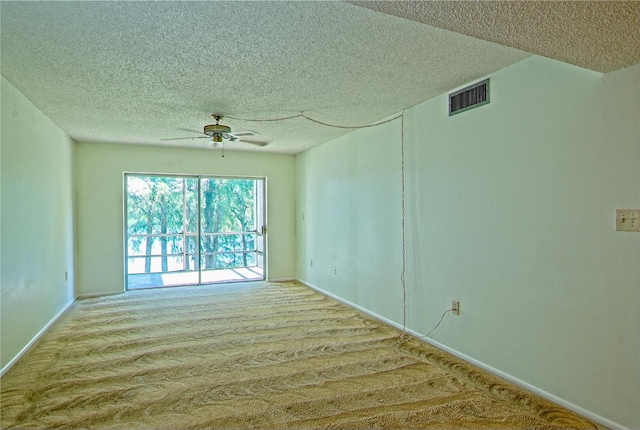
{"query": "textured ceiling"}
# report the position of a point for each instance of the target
(597, 35)
(137, 72)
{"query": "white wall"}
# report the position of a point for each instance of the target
(507, 212)
(99, 203)
(36, 222)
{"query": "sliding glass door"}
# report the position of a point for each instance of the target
(192, 230)
(230, 213)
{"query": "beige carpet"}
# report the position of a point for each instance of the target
(260, 356)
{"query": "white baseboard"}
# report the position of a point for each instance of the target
(92, 295)
(527, 386)
(35, 339)
(542, 393)
(350, 304)
(283, 280)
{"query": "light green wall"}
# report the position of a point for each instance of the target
(99, 203)
(348, 191)
(36, 221)
(508, 212)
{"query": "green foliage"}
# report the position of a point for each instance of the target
(162, 219)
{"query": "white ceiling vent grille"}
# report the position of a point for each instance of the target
(470, 97)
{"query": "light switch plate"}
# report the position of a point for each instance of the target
(628, 220)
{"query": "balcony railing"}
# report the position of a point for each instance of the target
(182, 253)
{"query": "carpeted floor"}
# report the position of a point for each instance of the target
(251, 356)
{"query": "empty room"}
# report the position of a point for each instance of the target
(320, 214)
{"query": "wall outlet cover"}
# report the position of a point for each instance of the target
(455, 307)
(628, 220)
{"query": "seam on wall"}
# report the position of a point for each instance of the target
(542, 393)
(36, 338)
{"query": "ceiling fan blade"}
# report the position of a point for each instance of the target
(202, 135)
(190, 130)
(256, 141)
(183, 138)
(249, 137)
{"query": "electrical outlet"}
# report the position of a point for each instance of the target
(311, 262)
(455, 307)
(335, 270)
(627, 219)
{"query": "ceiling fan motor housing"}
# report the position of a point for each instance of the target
(216, 131)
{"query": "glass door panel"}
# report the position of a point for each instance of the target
(158, 221)
(228, 231)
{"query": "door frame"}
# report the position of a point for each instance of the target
(261, 215)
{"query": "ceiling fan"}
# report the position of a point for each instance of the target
(218, 132)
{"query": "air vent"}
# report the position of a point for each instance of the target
(470, 97)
